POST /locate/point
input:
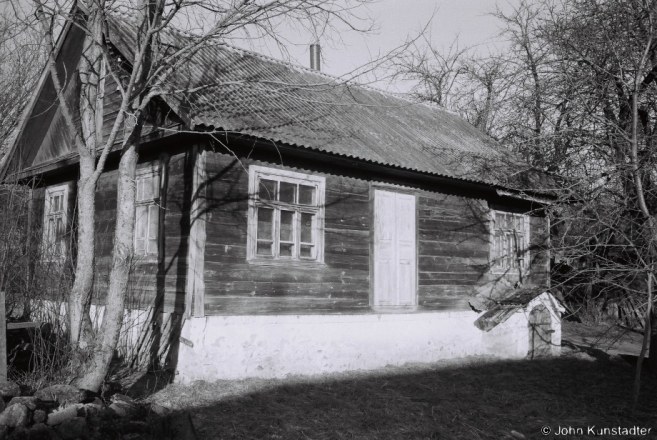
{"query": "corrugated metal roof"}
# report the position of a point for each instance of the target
(235, 90)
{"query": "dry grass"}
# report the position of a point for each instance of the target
(472, 398)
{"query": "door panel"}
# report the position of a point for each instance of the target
(395, 265)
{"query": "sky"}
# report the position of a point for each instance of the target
(396, 20)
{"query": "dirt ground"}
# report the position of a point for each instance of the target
(468, 398)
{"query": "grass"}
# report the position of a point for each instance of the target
(471, 398)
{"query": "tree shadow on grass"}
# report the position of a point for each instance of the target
(471, 398)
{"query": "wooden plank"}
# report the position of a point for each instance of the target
(283, 306)
(195, 301)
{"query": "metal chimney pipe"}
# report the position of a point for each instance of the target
(315, 54)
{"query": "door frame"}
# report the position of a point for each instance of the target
(403, 190)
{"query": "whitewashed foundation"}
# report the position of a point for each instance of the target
(238, 347)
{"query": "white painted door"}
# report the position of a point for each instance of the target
(394, 249)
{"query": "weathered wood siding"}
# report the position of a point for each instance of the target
(233, 286)
(453, 249)
(539, 241)
(150, 279)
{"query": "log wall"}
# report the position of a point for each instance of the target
(453, 249)
(233, 286)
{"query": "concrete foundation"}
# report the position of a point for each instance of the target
(238, 347)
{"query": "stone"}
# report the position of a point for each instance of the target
(159, 409)
(124, 406)
(9, 389)
(30, 402)
(97, 403)
(3, 432)
(15, 415)
(122, 398)
(62, 394)
(93, 408)
(58, 417)
(39, 416)
(74, 428)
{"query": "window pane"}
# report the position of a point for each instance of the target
(306, 251)
(153, 212)
(265, 219)
(59, 242)
(147, 186)
(267, 189)
(51, 232)
(141, 222)
(288, 191)
(286, 250)
(306, 228)
(306, 195)
(139, 190)
(287, 225)
(264, 248)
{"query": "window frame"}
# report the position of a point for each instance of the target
(47, 256)
(257, 172)
(151, 171)
(526, 254)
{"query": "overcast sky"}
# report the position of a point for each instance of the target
(396, 20)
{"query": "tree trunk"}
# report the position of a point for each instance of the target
(652, 353)
(644, 346)
(97, 367)
(80, 297)
(91, 124)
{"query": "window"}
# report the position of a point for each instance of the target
(54, 227)
(510, 241)
(147, 211)
(286, 216)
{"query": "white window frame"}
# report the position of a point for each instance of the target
(502, 266)
(49, 241)
(256, 173)
(152, 205)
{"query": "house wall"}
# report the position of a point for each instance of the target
(151, 278)
(453, 249)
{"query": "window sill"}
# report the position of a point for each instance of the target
(287, 263)
(395, 309)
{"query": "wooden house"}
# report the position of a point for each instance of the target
(298, 224)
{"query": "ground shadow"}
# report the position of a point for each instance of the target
(470, 398)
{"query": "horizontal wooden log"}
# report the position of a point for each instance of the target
(282, 306)
(264, 274)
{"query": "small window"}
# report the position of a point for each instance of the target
(510, 245)
(286, 216)
(55, 221)
(147, 211)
